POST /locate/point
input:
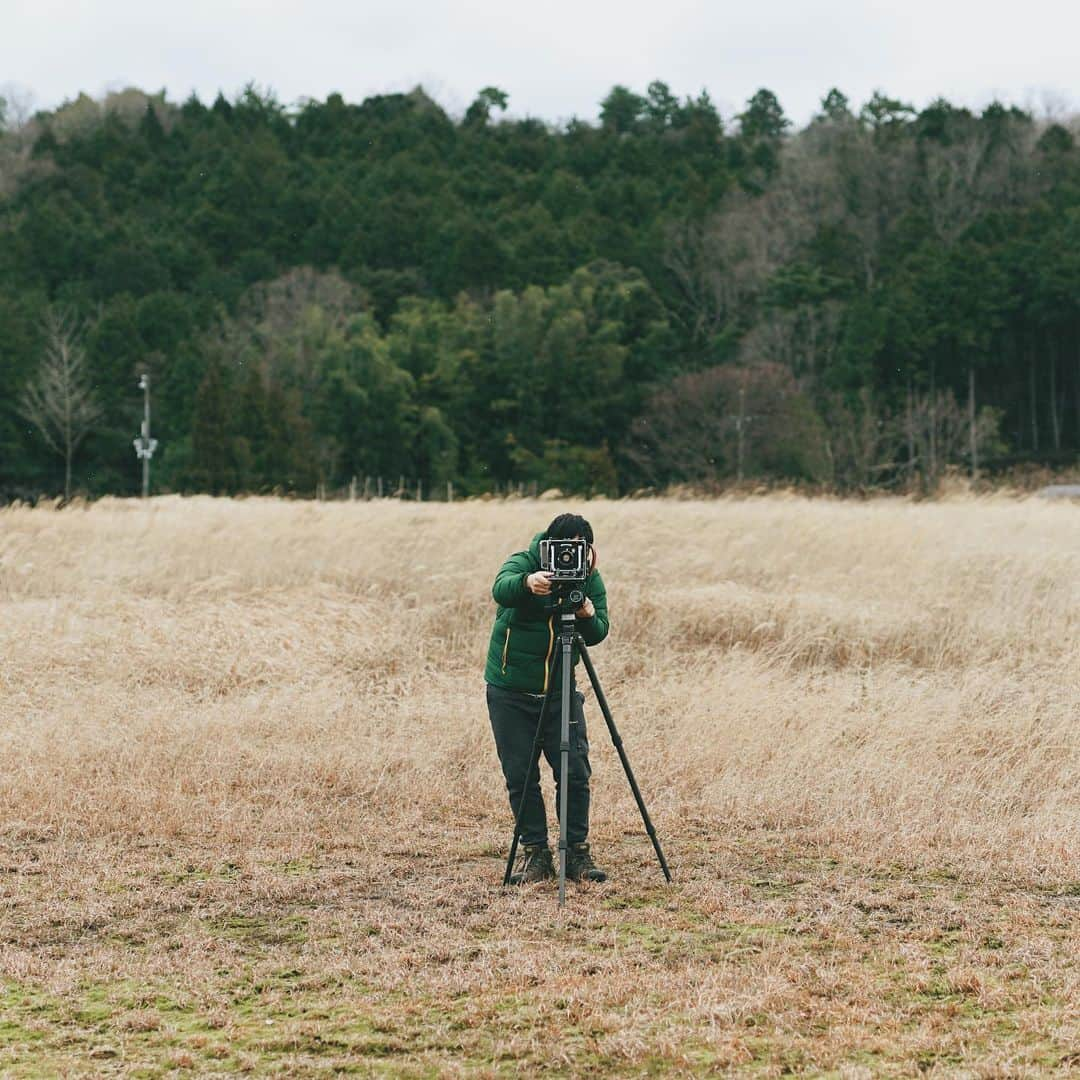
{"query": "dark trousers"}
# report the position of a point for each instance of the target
(514, 717)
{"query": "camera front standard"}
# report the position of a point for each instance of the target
(565, 560)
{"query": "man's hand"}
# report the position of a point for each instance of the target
(539, 584)
(586, 611)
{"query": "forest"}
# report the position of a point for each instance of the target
(327, 296)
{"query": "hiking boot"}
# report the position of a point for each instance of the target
(538, 866)
(580, 865)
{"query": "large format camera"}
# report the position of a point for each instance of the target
(565, 560)
(568, 563)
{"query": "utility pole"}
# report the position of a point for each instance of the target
(144, 445)
(740, 421)
(971, 423)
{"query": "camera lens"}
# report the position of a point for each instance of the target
(566, 557)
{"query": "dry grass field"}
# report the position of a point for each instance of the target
(251, 817)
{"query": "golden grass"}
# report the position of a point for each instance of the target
(253, 818)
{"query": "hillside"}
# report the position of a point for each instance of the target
(330, 291)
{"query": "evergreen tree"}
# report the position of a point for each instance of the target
(345, 289)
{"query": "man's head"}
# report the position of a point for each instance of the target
(569, 526)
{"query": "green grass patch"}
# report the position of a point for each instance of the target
(260, 930)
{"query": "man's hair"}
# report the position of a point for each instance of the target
(567, 526)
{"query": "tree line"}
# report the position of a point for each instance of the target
(335, 290)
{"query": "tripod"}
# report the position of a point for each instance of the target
(568, 637)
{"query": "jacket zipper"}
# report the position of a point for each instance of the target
(551, 642)
(506, 647)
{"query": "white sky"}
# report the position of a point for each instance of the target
(555, 59)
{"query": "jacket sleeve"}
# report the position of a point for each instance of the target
(594, 630)
(509, 588)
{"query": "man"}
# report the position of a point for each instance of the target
(519, 666)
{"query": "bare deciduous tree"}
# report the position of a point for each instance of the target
(834, 175)
(978, 168)
(862, 177)
(803, 339)
(942, 433)
(17, 134)
(16, 107)
(60, 401)
(281, 323)
(728, 422)
(722, 265)
(863, 442)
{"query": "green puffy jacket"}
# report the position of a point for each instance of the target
(523, 637)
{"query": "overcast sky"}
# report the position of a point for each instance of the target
(555, 59)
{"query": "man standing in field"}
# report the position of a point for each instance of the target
(519, 667)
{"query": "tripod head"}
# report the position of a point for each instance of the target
(568, 594)
(565, 599)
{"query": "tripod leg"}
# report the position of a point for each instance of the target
(534, 762)
(616, 738)
(564, 752)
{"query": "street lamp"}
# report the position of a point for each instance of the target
(144, 445)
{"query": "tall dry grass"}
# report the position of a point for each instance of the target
(892, 680)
